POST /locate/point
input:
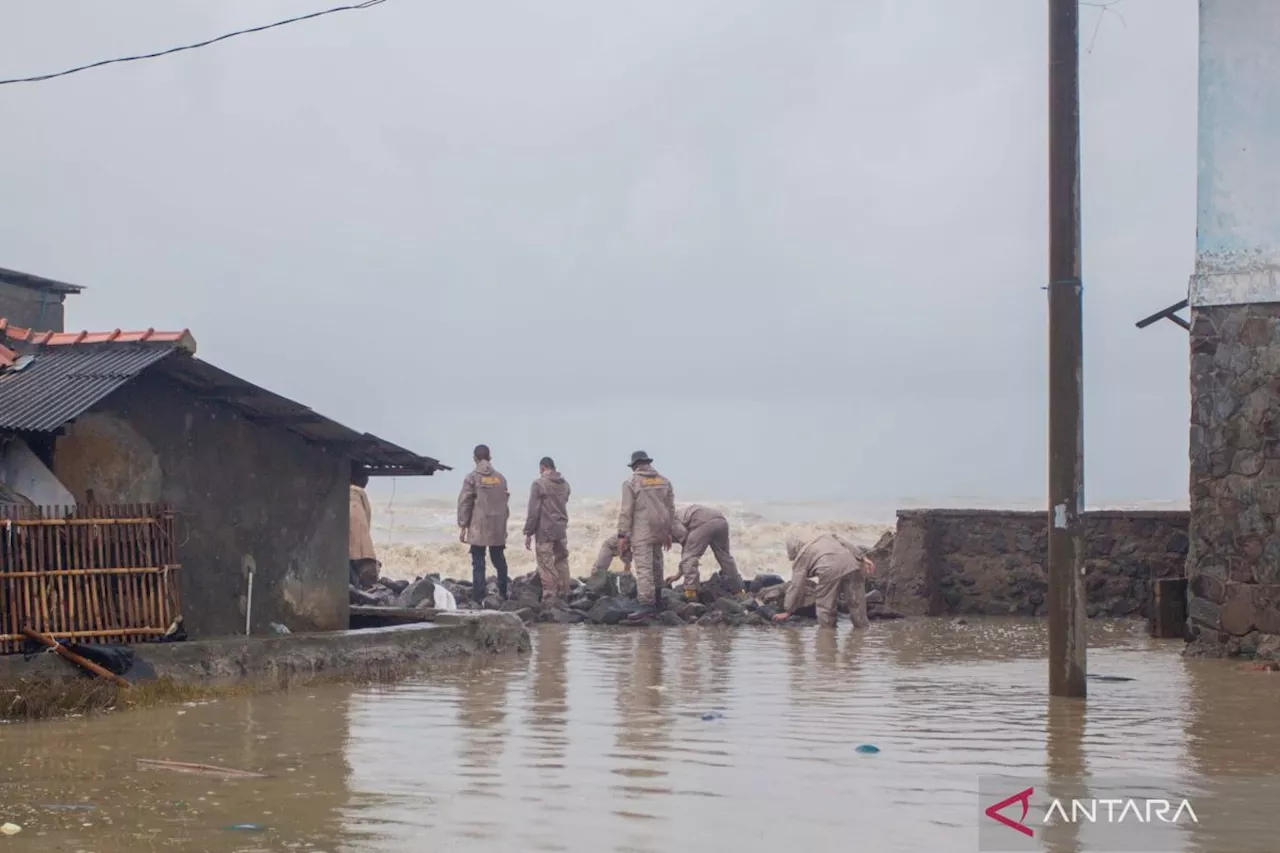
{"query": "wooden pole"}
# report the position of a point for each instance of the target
(63, 651)
(1067, 628)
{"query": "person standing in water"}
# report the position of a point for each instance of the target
(837, 571)
(484, 507)
(645, 524)
(547, 522)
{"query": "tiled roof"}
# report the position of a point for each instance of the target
(48, 379)
(16, 336)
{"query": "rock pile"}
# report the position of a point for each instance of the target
(609, 598)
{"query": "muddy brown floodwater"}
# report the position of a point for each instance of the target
(598, 742)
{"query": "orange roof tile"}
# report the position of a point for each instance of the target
(84, 338)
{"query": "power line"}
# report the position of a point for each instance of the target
(42, 77)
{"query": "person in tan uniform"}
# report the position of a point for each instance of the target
(363, 560)
(696, 529)
(484, 507)
(547, 522)
(645, 524)
(609, 550)
(837, 571)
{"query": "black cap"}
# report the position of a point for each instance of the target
(639, 458)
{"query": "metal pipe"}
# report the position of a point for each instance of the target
(248, 604)
(1067, 628)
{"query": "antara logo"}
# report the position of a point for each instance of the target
(1094, 811)
(1023, 797)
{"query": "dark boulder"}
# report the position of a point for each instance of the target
(887, 615)
(765, 581)
(602, 584)
(670, 618)
(416, 593)
(729, 607)
(611, 611)
(561, 615)
(396, 586)
(692, 610)
(712, 589)
(357, 596)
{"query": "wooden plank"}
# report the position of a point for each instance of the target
(106, 636)
(83, 663)
(1168, 608)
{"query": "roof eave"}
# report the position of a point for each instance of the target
(35, 282)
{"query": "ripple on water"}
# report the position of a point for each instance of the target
(597, 741)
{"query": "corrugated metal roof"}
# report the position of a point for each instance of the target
(35, 282)
(47, 380)
(379, 456)
(60, 383)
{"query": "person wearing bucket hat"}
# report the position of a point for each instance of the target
(645, 524)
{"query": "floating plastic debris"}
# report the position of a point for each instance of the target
(867, 749)
(714, 715)
(247, 827)
(10, 829)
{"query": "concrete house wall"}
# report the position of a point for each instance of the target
(250, 495)
(31, 307)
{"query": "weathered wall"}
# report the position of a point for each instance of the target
(990, 562)
(31, 308)
(1234, 563)
(250, 495)
(1238, 176)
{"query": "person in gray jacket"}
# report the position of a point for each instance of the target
(547, 523)
(484, 507)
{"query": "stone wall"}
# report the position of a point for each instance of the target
(1234, 565)
(992, 563)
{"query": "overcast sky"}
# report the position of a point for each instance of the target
(795, 250)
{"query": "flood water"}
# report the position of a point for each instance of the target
(597, 742)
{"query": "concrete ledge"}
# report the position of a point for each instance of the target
(339, 654)
(1136, 514)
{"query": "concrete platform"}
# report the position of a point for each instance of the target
(368, 653)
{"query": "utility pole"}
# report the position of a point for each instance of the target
(1067, 640)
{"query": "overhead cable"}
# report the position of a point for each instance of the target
(42, 77)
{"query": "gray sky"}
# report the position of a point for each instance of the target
(795, 250)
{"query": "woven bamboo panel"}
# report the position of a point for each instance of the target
(90, 573)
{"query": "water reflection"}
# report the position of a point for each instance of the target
(661, 740)
(1065, 765)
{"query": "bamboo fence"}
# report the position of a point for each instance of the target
(88, 573)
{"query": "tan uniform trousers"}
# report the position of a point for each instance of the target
(609, 550)
(647, 565)
(853, 586)
(553, 568)
(713, 534)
